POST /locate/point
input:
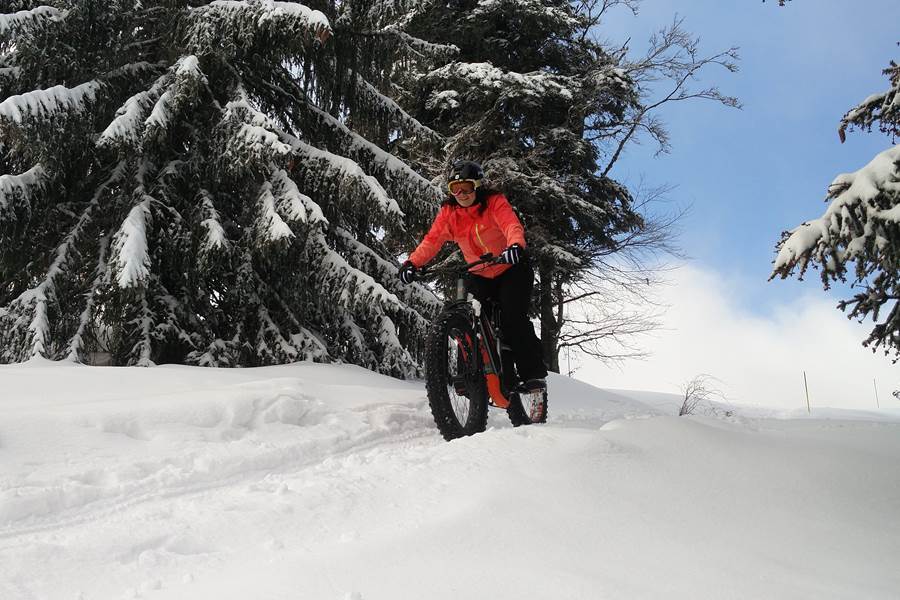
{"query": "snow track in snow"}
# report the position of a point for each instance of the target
(170, 445)
(96, 494)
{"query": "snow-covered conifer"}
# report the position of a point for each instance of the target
(518, 97)
(218, 183)
(858, 236)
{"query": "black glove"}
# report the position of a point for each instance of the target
(407, 272)
(512, 255)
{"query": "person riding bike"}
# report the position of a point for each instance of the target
(480, 220)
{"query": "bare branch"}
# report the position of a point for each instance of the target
(700, 390)
(673, 61)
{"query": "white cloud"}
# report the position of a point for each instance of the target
(759, 359)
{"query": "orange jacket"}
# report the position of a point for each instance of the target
(492, 231)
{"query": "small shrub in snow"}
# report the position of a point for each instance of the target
(699, 395)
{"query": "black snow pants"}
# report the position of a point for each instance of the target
(512, 291)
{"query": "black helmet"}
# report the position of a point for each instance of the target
(465, 170)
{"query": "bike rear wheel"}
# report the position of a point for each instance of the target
(454, 377)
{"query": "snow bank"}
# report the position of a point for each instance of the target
(329, 481)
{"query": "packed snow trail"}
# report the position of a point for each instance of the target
(315, 481)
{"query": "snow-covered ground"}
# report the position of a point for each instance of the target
(331, 482)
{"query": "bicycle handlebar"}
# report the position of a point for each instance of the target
(486, 259)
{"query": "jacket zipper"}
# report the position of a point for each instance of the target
(480, 241)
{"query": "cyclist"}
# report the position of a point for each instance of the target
(480, 220)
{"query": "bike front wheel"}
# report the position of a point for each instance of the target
(454, 377)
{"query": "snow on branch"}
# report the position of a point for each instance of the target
(387, 13)
(376, 98)
(363, 151)
(272, 11)
(538, 84)
(554, 18)
(238, 23)
(128, 124)
(134, 70)
(131, 258)
(30, 19)
(561, 255)
(862, 204)
(302, 344)
(269, 225)
(8, 74)
(883, 107)
(187, 78)
(417, 46)
(362, 254)
(354, 297)
(294, 204)
(579, 205)
(354, 286)
(395, 359)
(76, 342)
(348, 172)
(254, 136)
(611, 76)
(39, 297)
(215, 237)
(46, 103)
(143, 347)
(16, 189)
(444, 100)
(390, 18)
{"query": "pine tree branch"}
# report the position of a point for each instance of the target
(76, 342)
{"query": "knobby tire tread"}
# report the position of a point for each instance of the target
(436, 381)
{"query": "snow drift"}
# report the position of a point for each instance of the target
(326, 481)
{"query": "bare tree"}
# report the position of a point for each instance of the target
(605, 310)
(666, 73)
(699, 391)
(576, 310)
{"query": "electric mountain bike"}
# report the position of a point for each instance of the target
(468, 367)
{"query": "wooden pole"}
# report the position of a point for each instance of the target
(877, 403)
(806, 386)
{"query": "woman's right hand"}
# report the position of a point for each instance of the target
(407, 272)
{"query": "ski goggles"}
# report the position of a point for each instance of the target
(460, 187)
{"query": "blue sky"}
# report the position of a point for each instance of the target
(748, 175)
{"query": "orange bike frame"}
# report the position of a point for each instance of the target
(491, 364)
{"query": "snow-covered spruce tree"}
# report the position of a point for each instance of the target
(208, 183)
(859, 234)
(519, 97)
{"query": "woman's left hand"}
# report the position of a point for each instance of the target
(512, 255)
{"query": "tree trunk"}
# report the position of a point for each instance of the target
(549, 325)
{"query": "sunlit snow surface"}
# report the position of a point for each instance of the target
(317, 481)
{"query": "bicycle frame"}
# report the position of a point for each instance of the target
(488, 343)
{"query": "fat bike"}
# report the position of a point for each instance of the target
(469, 368)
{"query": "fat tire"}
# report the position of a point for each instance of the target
(437, 378)
(517, 414)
